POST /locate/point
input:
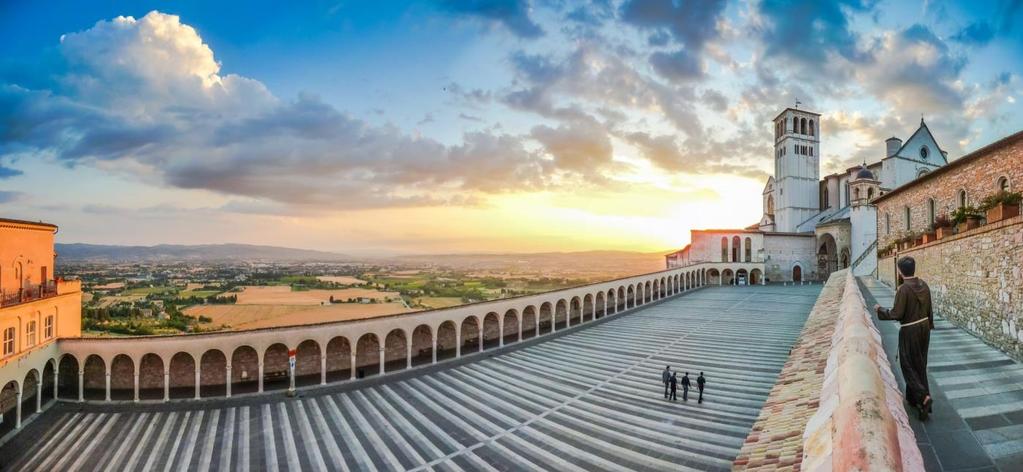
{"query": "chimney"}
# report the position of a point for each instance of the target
(892, 146)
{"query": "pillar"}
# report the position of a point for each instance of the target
(106, 380)
(408, 353)
(353, 366)
(458, 342)
(323, 368)
(383, 358)
(166, 384)
(136, 387)
(291, 374)
(521, 316)
(227, 381)
(198, 382)
(260, 376)
(435, 348)
(39, 397)
(56, 379)
(17, 415)
(500, 334)
(81, 385)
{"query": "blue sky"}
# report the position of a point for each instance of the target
(387, 127)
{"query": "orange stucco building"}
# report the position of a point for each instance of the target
(35, 310)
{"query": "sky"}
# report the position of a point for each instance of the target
(388, 128)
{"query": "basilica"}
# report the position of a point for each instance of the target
(811, 225)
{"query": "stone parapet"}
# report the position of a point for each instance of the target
(836, 404)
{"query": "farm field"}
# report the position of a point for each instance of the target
(439, 302)
(341, 279)
(283, 295)
(265, 316)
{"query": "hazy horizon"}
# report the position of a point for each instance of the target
(468, 127)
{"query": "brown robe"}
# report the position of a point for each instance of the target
(913, 303)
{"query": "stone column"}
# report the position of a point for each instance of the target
(520, 321)
(166, 384)
(435, 348)
(136, 386)
(260, 376)
(17, 415)
(227, 381)
(408, 353)
(39, 397)
(198, 381)
(291, 375)
(56, 382)
(458, 342)
(353, 366)
(106, 379)
(383, 358)
(81, 385)
(323, 368)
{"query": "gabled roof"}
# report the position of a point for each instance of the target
(923, 128)
(770, 182)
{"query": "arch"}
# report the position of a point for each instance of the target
(713, 277)
(308, 363)
(622, 300)
(600, 306)
(770, 204)
(802, 126)
(8, 403)
(755, 277)
(797, 273)
(510, 332)
(470, 331)
(276, 375)
(630, 297)
(367, 356)
(151, 371)
(727, 277)
(244, 370)
(639, 294)
(546, 318)
(422, 345)
(589, 312)
(843, 258)
(48, 370)
(827, 255)
(908, 215)
(213, 374)
(1003, 184)
(122, 378)
(856, 193)
(656, 289)
(94, 378)
(887, 223)
(575, 311)
(395, 350)
(811, 128)
(182, 375)
(962, 198)
(749, 249)
(736, 245)
(447, 340)
(67, 377)
(491, 331)
(29, 390)
(741, 277)
(870, 193)
(529, 322)
(724, 249)
(561, 315)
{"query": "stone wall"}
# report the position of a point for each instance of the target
(976, 281)
(977, 173)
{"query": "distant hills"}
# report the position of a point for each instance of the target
(203, 252)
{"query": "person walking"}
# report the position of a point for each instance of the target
(666, 378)
(685, 387)
(915, 314)
(674, 386)
(699, 385)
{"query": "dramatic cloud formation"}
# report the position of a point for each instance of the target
(512, 14)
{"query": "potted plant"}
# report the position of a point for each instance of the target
(966, 218)
(1002, 205)
(942, 226)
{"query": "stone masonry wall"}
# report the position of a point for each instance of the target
(976, 281)
(978, 176)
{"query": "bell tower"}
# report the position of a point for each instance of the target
(796, 168)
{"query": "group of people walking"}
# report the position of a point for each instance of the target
(671, 382)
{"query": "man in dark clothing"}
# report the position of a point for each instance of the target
(914, 313)
(666, 378)
(674, 386)
(685, 387)
(699, 384)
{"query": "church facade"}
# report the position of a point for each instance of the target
(811, 226)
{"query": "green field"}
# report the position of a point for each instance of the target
(149, 290)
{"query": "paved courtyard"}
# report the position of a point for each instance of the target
(590, 399)
(978, 396)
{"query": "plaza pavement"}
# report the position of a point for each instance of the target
(977, 423)
(588, 399)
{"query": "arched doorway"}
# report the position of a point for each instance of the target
(422, 346)
(471, 336)
(213, 374)
(727, 277)
(546, 317)
(797, 273)
(395, 350)
(447, 340)
(755, 277)
(529, 322)
(151, 370)
(95, 378)
(8, 404)
(339, 359)
(48, 382)
(308, 363)
(844, 259)
(491, 331)
(244, 370)
(67, 381)
(561, 315)
(367, 356)
(122, 378)
(621, 300)
(827, 255)
(742, 277)
(276, 368)
(182, 376)
(713, 277)
(511, 327)
(599, 309)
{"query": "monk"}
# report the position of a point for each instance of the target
(914, 313)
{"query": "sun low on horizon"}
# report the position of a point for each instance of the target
(458, 127)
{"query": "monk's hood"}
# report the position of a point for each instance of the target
(919, 289)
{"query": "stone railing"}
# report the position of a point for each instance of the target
(836, 404)
(860, 423)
